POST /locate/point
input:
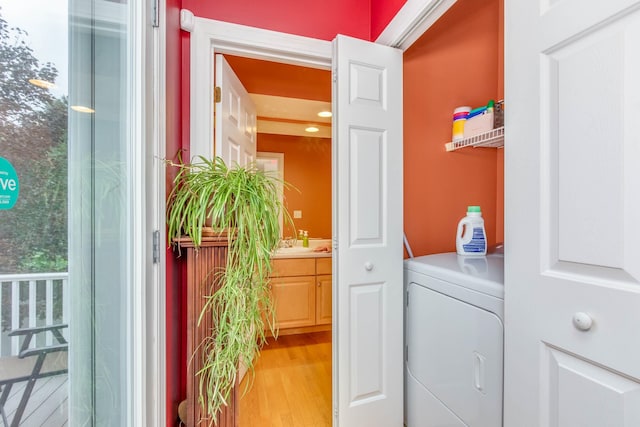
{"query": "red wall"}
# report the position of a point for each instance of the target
(311, 18)
(175, 315)
(382, 12)
(307, 167)
(455, 63)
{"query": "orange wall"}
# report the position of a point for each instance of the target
(455, 63)
(307, 166)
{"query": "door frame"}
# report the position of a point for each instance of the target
(209, 37)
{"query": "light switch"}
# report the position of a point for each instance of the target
(297, 214)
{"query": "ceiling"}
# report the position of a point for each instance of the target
(288, 98)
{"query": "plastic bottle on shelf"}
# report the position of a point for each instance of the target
(471, 237)
(305, 239)
(459, 118)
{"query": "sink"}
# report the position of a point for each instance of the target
(293, 250)
(299, 250)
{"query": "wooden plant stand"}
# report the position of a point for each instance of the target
(211, 256)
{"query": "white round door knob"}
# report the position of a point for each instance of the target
(368, 266)
(582, 321)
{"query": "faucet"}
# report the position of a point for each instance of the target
(287, 242)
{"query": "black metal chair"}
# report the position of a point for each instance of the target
(30, 365)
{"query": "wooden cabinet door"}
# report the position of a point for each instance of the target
(294, 300)
(323, 300)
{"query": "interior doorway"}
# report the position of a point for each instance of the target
(292, 379)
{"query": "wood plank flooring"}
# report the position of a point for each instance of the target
(292, 383)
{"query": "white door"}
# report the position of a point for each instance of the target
(572, 213)
(367, 99)
(235, 118)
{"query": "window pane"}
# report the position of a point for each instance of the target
(65, 250)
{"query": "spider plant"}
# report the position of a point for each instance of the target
(244, 200)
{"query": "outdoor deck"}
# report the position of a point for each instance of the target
(47, 405)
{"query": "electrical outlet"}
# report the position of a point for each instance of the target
(297, 214)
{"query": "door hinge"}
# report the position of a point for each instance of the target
(155, 13)
(334, 76)
(406, 353)
(156, 246)
(217, 94)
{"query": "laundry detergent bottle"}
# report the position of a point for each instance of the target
(471, 238)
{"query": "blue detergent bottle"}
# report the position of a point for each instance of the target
(471, 238)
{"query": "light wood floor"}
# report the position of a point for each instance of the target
(292, 384)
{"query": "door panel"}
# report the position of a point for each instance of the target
(235, 118)
(368, 228)
(365, 183)
(572, 197)
(606, 398)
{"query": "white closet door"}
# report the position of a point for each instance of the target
(572, 266)
(368, 224)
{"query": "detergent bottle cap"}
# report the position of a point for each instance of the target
(473, 209)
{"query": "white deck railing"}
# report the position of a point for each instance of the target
(27, 300)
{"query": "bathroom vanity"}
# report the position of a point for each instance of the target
(301, 290)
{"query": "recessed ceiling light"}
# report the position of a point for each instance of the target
(42, 83)
(82, 109)
(325, 114)
(312, 129)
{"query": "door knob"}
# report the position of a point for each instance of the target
(582, 321)
(368, 266)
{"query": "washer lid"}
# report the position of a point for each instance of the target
(482, 274)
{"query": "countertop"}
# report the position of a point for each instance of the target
(298, 251)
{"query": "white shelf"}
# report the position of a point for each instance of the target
(493, 138)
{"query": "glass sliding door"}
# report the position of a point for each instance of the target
(72, 215)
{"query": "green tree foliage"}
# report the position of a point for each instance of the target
(33, 137)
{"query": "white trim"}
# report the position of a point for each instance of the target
(136, 268)
(210, 36)
(156, 383)
(187, 20)
(279, 157)
(147, 307)
(411, 22)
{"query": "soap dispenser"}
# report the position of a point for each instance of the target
(305, 239)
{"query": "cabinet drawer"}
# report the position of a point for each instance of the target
(293, 267)
(323, 265)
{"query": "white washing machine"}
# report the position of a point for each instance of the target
(454, 340)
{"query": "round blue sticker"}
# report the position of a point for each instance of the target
(9, 185)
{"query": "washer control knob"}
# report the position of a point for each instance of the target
(582, 321)
(368, 266)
